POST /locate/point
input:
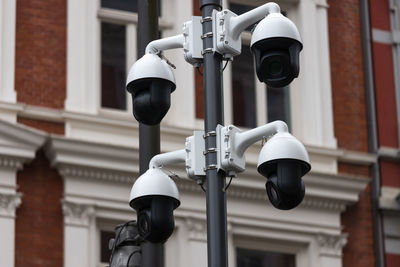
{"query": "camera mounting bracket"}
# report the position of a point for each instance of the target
(223, 41)
(193, 43)
(195, 160)
(227, 27)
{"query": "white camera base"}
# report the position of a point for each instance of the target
(193, 44)
(195, 160)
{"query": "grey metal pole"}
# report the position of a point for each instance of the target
(213, 111)
(149, 136)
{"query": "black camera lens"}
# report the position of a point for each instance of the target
(143, 224)
(275, 67)
(272, 192)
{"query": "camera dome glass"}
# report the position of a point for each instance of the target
(275, 67)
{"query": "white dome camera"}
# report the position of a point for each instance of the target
(283, 160)
(154, 196)
(276, 45)
(151, 82)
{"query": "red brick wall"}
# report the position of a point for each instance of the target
(385, 96)
(39, 224)
(347, 75)
(357, 221)
(359, 170)
(392, 260)
(390, 173)
(379, 13)
(40, 79)
(40, 56)
(198, 78)
(350, 122)
(50, 127)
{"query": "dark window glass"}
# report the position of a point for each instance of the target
(105, 253)
(256, 258)
(243, 90)
(113, 66)
(125, 5)
(278, 103)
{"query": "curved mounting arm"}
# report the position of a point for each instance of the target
(156, 46)
(173, 157)
(246, 139)
(240, 23)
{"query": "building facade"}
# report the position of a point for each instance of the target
(69, 143)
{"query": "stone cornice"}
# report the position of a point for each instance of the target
(9, 203)
(11, 163)
(329, 192)
(93, 160)
(95, 173)
(63, 151)
(18, 144)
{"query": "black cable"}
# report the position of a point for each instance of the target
(201, 185)
(117, 238)
(198, 70)
(129, 258)
(226, 187)
(226, 64)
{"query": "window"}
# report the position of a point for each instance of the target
(105, 252)
(124, 5)
(258, 258)
(115, 32)
(113, 66)
(243, 89)
(245, 86)
(118, 36)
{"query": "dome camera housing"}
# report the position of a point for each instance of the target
(155, 196)
(276, 45)
(151, 82)
(284, 161)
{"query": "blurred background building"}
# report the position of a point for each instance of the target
(69, 142)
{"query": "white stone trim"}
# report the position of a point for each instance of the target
(98, 178)
(18, 145)
(383, 37)
(9, 202)
(7, 50)
(390, 198)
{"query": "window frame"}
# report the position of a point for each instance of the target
(130, 21)
(84, 55)
(299, 250)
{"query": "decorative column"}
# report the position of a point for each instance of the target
(7, 52)
(18, 145)
(197, 242)
(77, 221)
(330, 249)
(9, 202)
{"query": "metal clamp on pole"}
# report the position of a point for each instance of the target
(210, 133)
